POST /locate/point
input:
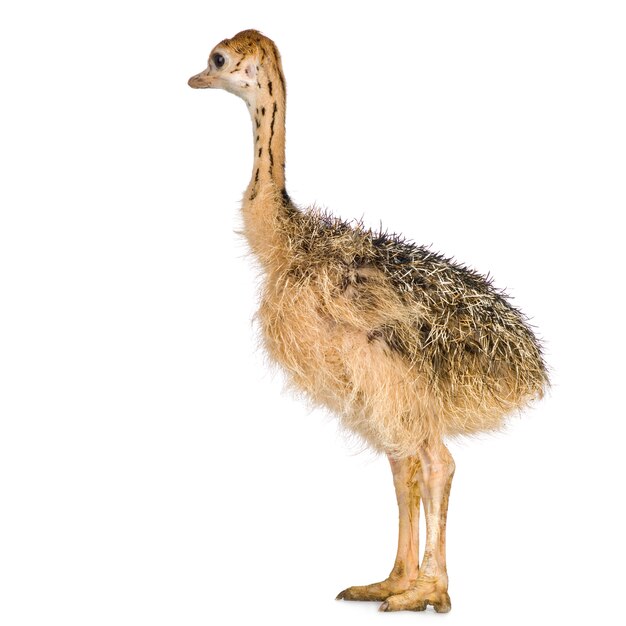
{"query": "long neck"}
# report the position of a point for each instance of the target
(268, 128)
(266, 203)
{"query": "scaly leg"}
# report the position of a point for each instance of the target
(405, 569)
(436, 469)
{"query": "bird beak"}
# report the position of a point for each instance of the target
(201, 80)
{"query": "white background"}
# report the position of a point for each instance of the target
(151, 470)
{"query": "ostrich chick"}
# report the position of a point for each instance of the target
(404, 345)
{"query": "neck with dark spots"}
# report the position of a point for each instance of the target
(268, 127)
(267, 209)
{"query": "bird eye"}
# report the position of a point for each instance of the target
(218, 59)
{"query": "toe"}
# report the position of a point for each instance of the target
(410, 600)
(376, 592)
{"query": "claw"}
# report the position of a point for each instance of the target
(341, 595)
(384, 607)
(444, 605)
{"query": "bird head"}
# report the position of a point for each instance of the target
(238, 64)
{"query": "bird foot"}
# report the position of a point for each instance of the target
(423, 592)
(376, 591)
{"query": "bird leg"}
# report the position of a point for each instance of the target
(405, 569)
(435, 471)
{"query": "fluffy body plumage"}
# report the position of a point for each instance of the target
(405, 345)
